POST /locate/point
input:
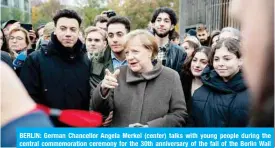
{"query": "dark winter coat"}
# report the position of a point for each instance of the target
(186, 82)
(5, 57)
(58, 78)
(220, 104)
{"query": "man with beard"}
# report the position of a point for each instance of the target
(202, 35)
(163, 22)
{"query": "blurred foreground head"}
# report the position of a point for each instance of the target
(16, 103)
(13, 95)
(258, 51)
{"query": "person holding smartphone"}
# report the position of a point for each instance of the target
(32, 34)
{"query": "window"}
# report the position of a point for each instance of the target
(4, 2)
(16, 3)
(26, 5)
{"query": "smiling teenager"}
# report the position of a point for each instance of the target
(191, 75)
(223, 99)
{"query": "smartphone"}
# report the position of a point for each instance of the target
(28, 27)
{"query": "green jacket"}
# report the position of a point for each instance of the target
(97, 71)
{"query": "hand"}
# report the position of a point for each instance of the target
(108, 120)
(137, 125)
(32, 36)
(110, 80)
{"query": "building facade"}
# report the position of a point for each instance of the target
(16, 9)
(215, 14)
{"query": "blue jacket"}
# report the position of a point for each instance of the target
(220, 104)
(31, 120)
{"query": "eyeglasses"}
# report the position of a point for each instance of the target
(18, 38)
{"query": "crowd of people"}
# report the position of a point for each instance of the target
(142, 78)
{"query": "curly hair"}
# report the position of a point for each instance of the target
(169, 11)
(68, 14)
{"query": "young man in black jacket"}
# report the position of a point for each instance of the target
(163, 22)
(58, 75)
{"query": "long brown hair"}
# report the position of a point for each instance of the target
(5, 44)
(186, 66)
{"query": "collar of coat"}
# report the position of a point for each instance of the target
(137, 77)
(69, 54)
(211, 79)
(106, 56)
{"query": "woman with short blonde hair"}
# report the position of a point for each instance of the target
(18, 40)
(143, 93)
(147, 40)
(20, 46)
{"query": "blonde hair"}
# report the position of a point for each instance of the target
(48, 29)
(26, 33)
(147, 39)
(96, 29)
(27, 38)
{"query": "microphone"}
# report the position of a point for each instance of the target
(73, 117)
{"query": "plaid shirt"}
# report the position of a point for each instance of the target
(162, 55)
